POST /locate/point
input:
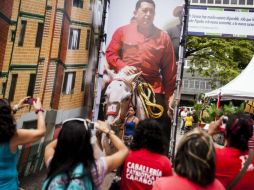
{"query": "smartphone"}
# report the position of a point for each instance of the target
(30, 101)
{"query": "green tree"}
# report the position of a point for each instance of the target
(220, 59)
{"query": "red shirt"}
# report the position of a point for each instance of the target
(153, 55)
(142, 168)
(251, 141)
(229, 163)
(181, 183)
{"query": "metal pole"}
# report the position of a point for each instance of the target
(91, 89)
(101, 62)
(180, 67)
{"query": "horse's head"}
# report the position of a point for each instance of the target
(118, 97)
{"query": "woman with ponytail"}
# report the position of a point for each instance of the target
(10, 138)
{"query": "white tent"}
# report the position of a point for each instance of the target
(240, 88)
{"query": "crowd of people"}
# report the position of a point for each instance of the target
(198, 164)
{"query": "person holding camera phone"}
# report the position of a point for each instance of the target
(11, 138)
(232, 158)
(70, 158)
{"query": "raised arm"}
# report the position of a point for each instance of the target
(50, 151)
(26, 136)
(115, 160)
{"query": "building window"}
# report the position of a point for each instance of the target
(249, 2)
(12, 35)
(226, 2)
(202, 85)
(39, 35)
(2, 88)
(233, 2)
(22, 33)
(74, 38)
(210, 2)
(241, 2)
(208, 85)
(30, 90)
(83, 81)
(217, 1)
(78, 3)
(194, 1)
(196, 84)
(13, 86)
(202, 1)
(185, 84)
(69, 81)
(191, 84)
(88, 34)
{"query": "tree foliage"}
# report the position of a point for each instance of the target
(220, 59)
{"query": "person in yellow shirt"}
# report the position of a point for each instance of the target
(188, 122)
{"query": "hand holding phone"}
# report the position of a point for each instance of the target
(30, 101)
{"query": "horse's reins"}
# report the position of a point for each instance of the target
(145, 92)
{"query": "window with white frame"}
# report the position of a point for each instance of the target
(249, 2)
(196, 84)
(202, 85)
(185, 83)
(78, 3)
(208, 85)
(69, 82)
(226, 2)
(74, 38)
(191, 85)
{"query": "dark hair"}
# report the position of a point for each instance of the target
(138, 4)
(195, 158)
(239, 129)
(7, 122)
(148, 134)
(134, 107)
(73, 147)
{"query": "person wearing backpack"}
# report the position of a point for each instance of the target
(70, 158)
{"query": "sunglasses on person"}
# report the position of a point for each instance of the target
(89, 125)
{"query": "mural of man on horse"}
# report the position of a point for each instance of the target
(140, 47)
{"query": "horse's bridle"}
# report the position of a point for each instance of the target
(117, 112)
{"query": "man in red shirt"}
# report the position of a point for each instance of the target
(141, 46)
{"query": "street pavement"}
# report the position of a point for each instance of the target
(35, 181)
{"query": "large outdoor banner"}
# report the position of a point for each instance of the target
(142, 39)
(224, 22)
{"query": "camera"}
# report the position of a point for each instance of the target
(223, 125)
(90, 126)
(30, 101)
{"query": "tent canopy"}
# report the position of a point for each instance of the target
(240, 88)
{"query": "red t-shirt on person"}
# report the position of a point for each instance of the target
(229, 162)
(142, 168)
(181, 183)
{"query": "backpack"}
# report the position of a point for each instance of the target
(74, 180)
